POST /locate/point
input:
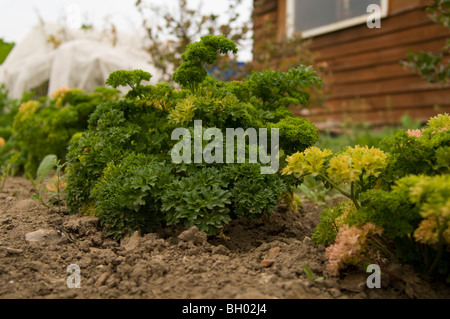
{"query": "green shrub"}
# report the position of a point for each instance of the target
(201, 194)
(401, 195)
(115, 129)
(414, 214)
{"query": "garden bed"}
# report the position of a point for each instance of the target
(258, 258)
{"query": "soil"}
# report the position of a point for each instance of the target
(254, 259)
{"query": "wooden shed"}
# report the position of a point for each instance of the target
(367, 82)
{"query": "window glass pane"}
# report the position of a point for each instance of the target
(359, 7)
(311, 14)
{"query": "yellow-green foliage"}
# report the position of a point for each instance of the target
(413, 210)
(345, 167)
(311, 161)
(425, 151)
(354, 162)
(45, 126)
(183, 111)
(432, 195)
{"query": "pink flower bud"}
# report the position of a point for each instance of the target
(415, 133)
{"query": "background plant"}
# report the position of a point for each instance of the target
(52, 192)
(171, 31)
(432, 66)
(5, 48)
(7, 170)
(45, 126)
(350, 134)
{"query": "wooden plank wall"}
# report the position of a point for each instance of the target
(367, 83)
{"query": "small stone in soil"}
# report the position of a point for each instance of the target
(44, 236)
(273, 252)
(267, 262)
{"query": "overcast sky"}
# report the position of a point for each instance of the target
(17, 17)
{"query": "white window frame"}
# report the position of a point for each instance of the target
(290, 21)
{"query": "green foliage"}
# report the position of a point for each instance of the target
(439, 12)
(365, 134)
(132, 79)
(7, 170)
(277, 88)
(309, 273)
(116, 129)
(296, 134)
(316, 191)
(390, 210)
(331, 219)
(431, 66)
(257, 198)
(47, 164)
(128, 195)
(415, 215)
(46, 126)
(89, 153)
(200, 200)
(325, 232)
(9, 144)
(356, 168)
(216, 108)
(5, 48)
(191, 72)
(410, 124)
(406, 196)
(424, 154)
(8, 109)
(53, 192)
(124, 191)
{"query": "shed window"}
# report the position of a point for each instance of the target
(314, 17)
